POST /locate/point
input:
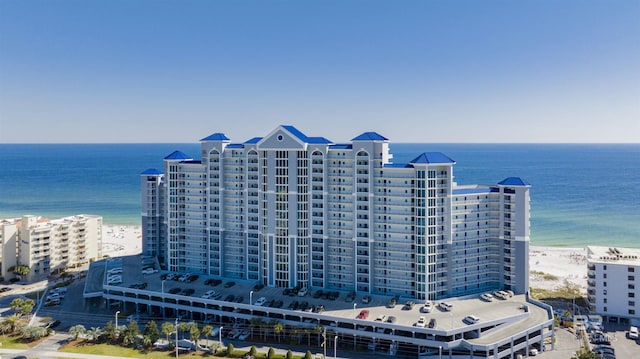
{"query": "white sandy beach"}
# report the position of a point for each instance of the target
(564, 263)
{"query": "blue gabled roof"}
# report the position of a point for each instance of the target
(253, 141)
(432, 158)
(235, 145)
(318, 140)
(304, 138)
(370, 136)
(151, 171)
(514, 181)
(216, 137)
(341, 146)
(177, 155)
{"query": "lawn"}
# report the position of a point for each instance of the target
(83, 347)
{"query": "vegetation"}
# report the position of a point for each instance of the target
(566, 292)
(545, 276)
(22, 306)
(585, 354)
(20, 270)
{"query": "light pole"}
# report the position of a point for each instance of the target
(163, 286)
(176, 337)
(440, 351)
(251, 301)
(354, 307)
(335, 346)
(220, 336)
(117, 312)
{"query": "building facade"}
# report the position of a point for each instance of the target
(290, 210)
(49, 246)
(614, 283)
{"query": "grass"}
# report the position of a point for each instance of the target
(83, 347)
(14, 342)
(545, 276)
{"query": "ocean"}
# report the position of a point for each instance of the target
(581, 194)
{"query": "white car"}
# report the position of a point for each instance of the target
(445, 306)
(149, 271)
(471, 319)
(209, 294)
(426, 308)
(486, 297)
(633, 332)
(303, 292)
(244, 335)
(422, 322)
(260, 301)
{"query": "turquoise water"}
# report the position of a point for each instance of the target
(581, 194)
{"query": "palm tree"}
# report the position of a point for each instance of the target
(207, 330)
(94, 333)
(194, 333)
(11, 323)
(76, 330)
(278, 328)
(167, 329)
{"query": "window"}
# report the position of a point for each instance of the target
(631, 295)
(632, 311)
(631, 286)
(632, 303)
(631, 277)
(630, 269)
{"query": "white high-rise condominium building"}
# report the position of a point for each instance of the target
(48, 246)
(291, 210)
(614, 283)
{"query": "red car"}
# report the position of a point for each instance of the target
(363, 314)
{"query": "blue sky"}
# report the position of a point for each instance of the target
(413, 71)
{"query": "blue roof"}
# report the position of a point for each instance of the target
(370, 136)
(253, 141)
(302, 137)
(514, 181)
(151, 171)
(432, 158)
(235, 145)
(472, 190)
(341, 146)
(177, 155)
(216, 137)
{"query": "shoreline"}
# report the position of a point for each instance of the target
(549, 266)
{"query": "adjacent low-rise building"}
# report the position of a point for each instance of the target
(614, 283)
(48, 246)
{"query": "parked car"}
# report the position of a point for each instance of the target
(422, 322)
(303, 292)
(408, 305)
(258, 286)
(427, 307)
(447, 307)
(486, 297)
(366, 299)
(229, 284)
(363, 314)
(471, 319)
(381, 318)
(260, 301)
(432, 323)
(391, 319)
(633, 333)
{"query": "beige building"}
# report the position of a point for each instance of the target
(49, 246)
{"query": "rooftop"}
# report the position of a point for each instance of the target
(623, 256)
